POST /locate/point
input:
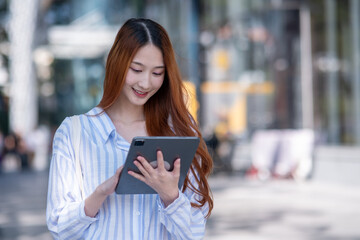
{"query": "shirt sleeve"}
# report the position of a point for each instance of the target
(182, 220)
(65, 214)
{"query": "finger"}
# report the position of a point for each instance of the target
(141, 168)
(137, 176)
(145, 164)
(160, 160)
(176, 170)
(118, 172)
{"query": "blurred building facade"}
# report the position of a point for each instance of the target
(254, 64)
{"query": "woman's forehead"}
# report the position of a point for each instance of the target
(149, 56)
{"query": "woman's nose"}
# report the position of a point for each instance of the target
(145, 81)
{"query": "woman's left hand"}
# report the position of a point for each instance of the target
(164, 182)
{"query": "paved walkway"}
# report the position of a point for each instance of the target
(244, 209)
(22, 206)
(280, 210)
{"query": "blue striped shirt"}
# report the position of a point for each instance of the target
(102, 151)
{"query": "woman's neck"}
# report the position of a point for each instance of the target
(128, 120)
(125, 114)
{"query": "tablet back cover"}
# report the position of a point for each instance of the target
(171, 147)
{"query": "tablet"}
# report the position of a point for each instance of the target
(171, 147)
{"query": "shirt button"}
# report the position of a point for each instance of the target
(138, 213)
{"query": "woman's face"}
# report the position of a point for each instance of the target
(145, 75)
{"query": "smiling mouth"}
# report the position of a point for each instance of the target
(140, 93)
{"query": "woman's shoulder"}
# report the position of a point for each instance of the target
(64, 127)
(68, 122)
(61, 140)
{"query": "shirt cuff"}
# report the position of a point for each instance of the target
(172, 207)
(83, 217)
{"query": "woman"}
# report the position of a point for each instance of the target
(143, 96)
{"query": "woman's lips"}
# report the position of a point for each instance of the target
(140, 93)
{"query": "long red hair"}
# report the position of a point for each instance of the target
(167, 104)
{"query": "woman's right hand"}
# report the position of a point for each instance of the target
(96, 199)
(108, 187)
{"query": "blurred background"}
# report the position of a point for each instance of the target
(275, 88)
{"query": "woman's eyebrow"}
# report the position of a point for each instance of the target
(142, 65)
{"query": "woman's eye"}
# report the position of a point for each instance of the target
(157, 74)
(135, 70)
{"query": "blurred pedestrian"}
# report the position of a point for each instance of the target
(11, 160)
(38, 144)
(143, 96)
(24, 153)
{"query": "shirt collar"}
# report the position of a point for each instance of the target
(102, 122)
